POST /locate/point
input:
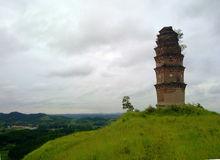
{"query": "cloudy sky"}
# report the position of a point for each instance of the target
(83, 56)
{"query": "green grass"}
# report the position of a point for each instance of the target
(4, 155)
(187, 132)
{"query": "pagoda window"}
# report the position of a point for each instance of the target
(170, 59)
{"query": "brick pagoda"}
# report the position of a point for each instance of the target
(169, 69)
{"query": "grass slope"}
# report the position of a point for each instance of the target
(164, 134)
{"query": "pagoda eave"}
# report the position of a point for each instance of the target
(169, 66)
(170, 85)
(167, 55)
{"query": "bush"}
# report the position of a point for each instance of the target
(186, 109)
(199, 106)
(150, 109)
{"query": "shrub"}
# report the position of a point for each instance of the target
(150, 109)
(199, 106)
(186, 109)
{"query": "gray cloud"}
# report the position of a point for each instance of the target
(9, 43)
(205, 11)
(136, 53)
(72, 72)
(95, 52)
(97, 32)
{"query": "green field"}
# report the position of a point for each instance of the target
(4, 155)
(185, 133)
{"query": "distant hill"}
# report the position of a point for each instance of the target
(92, 115)
(39, 118)
(174, 133)
(16, 118)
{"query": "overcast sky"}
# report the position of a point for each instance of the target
(83, 56)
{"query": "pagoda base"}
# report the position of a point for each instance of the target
(170, 94)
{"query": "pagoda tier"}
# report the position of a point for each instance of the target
(169, 49)
(169, 69)
(169, 59)
(170, 74)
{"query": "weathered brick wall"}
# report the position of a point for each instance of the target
(167, 96)
(167, 75)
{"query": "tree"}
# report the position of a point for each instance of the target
(127, 104)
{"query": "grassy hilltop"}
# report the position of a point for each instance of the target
(187, 132)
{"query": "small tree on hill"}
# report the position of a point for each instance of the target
(126, 104)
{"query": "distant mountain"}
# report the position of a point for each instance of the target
(92, 115)
(17, 118)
